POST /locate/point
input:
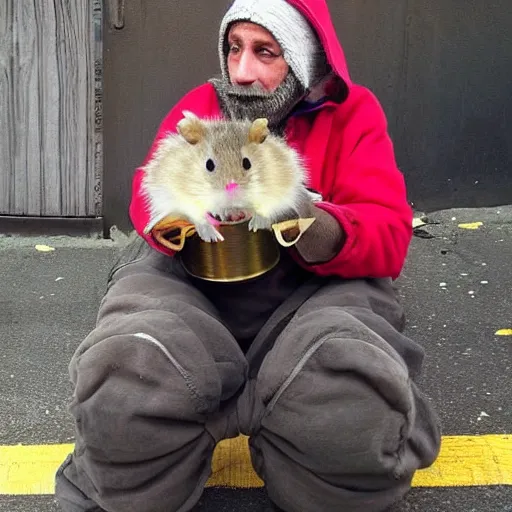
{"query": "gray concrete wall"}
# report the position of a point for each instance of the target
(441, 68)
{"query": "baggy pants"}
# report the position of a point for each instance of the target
(326, 394)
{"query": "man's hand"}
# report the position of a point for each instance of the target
(323, 240)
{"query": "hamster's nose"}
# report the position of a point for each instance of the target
(231, 188)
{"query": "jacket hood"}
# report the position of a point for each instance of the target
(317, 13)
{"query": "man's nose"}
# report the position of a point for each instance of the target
(245, 70)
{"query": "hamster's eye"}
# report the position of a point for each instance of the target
(246, 163)
(210, 165)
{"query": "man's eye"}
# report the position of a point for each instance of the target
(234, 48)
(266, 52)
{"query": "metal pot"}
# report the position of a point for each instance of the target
(242, 255)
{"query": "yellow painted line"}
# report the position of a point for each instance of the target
(30, 469)
(466, 461)
(231, 465)
(504, 332)
(463, 461)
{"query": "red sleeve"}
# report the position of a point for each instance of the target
(368, 195)
(202, 101)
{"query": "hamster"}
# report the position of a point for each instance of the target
(211, 168)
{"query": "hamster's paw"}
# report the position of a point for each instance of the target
(208, 233)
(259, 222)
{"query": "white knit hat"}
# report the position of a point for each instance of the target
(301, 48)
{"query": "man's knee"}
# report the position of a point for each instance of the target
(128, 388)
(338, 423)
(345, 408)
(141, 408)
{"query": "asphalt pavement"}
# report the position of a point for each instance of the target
(456, 288)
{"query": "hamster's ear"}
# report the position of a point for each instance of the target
(191, 128)
(259, 131)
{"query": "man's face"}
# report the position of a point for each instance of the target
(255, 57)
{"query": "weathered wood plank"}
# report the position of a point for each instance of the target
(49, 96)
(71, 131)
(76, 80)
(96, 199)
(6, 106)
(47, 134)
(27, 119)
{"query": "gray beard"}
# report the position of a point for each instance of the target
(252, 102)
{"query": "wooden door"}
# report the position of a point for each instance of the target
(50, 122)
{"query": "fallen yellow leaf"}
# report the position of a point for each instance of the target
(504, 332)
(471, 225)
(44, 248)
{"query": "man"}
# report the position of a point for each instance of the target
(308, 360)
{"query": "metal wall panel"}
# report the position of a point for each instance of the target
(443, 72)
(163, 50)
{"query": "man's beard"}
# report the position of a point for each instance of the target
(252, 102)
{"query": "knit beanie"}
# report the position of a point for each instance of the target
(302, 50)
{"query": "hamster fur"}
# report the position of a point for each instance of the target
(213, 167)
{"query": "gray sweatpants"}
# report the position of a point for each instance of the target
(326, 393)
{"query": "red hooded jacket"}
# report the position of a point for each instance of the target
(351, 162)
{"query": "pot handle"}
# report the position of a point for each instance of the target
(289, 232)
